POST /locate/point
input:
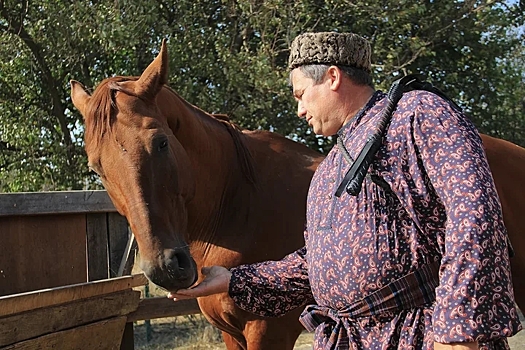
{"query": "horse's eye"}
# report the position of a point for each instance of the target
(163, 144)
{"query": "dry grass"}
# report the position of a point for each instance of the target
(188, 333)
(183, 332)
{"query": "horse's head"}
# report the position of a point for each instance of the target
(143, 167)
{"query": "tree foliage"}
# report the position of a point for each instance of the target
(230, 57)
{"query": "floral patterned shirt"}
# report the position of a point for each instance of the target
(441, 205)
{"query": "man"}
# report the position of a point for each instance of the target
(418, 259)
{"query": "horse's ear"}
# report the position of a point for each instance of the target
(79, 96)
(155, 76)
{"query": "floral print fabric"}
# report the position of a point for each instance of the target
(442, 206)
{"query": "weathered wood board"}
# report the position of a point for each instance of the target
(160, 307)
(42, 251)
(105, 335)
(18, 303)
(38, 203)
(35, 323)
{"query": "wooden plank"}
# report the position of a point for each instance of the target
(13, 304)
(43, 251)
(160, 307)
(97, 246)
(118, 238)
(29, 324)
(105, 335)
(36, 203)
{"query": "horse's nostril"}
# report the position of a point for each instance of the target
(177, 257)
(184, 260)
(179, 260)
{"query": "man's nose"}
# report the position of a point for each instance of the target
(301, 111)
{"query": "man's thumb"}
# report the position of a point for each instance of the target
(206, 270)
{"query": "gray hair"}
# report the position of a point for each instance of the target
(316, 72)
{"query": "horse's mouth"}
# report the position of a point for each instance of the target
(174, 281)
(176, 273)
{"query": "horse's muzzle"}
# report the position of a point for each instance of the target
(173, 270)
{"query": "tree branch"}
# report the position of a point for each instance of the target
(58, 110)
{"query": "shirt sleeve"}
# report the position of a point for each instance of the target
(272, 288)
(474, 300)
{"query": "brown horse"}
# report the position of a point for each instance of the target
(507, 164)
(190, 182)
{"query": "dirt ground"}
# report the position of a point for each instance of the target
(194, 333)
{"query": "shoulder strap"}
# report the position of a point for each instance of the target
(353, 179)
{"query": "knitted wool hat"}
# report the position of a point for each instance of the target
(345, 49)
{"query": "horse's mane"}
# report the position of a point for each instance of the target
(103, 111)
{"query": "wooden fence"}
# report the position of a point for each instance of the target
(55, 239)
(51, 239)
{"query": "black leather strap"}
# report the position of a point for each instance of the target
(355, 176)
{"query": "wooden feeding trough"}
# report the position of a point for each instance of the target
(85, 316)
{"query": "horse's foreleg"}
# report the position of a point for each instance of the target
(244, 331)
(232, 343)
(273, 333)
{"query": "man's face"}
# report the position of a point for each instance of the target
(315, 103)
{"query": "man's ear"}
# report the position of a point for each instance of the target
(334, 75)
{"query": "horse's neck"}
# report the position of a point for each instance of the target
(212, 154)
(195, 129)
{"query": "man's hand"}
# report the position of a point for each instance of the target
(217, 280)
(456, 346)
